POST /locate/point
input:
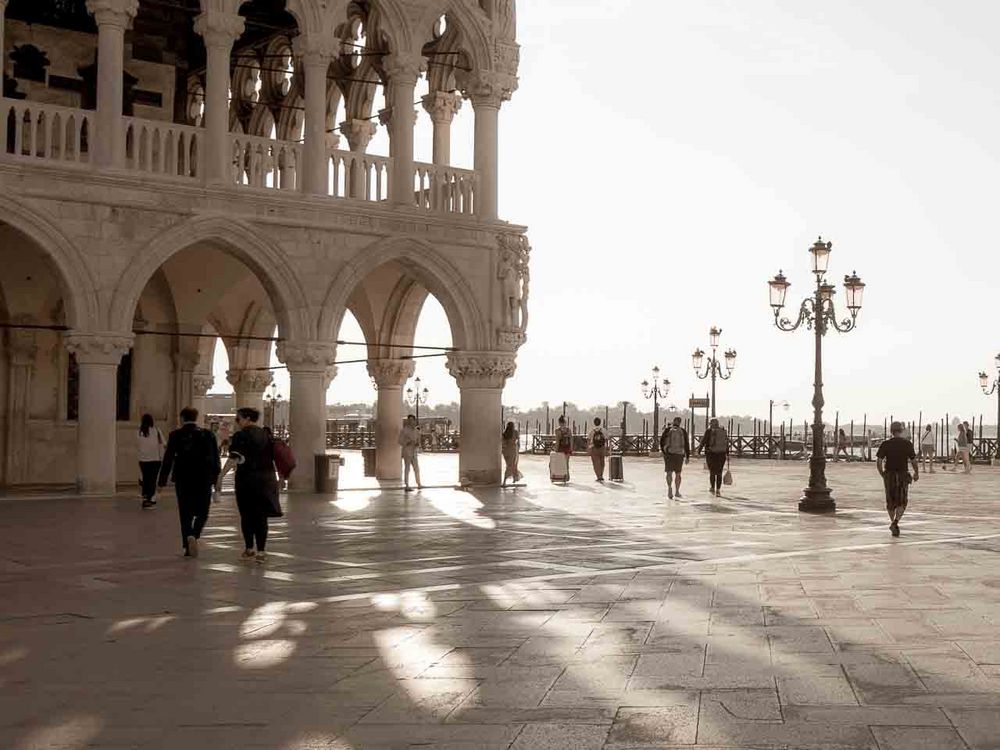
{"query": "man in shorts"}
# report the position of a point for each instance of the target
(927, 450)
(676, 450)
(893, 456)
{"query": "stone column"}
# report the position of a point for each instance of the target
(3, 49)
(310, 367)
(316, 52)
(249, 387)
(389, 375)
(442, 106)
(359, 134)
(487, 90)
(220, 30)
(113, 17)
(22, 350)
(201, 383)
(97, 357)
(403, 71)
(481, 377)
(185, 363)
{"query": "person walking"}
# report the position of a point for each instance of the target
(191, 459)
(841, 446)
(927, 450)
(150, 450)
(962, 454)
(715, 443)
(597, 444)
(251, 452)
(409, 441)
(676, 449)
(893, 456)
(511, 450)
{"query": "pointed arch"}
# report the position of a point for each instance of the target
(427, 266)
(75, 278)
(236, 237)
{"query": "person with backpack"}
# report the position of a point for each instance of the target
(150, 449)
(676, 450)
(597, 442)
(191, 459)
(715, 444)
(251, 451)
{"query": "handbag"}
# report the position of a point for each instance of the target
(272, 505)
(727, 478)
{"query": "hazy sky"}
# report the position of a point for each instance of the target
(669, 157)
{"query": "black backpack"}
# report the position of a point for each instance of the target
(599, 439)
(192, 455)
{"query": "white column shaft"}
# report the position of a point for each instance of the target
(97, 434)
(307, 424)
(314, 178)
(218, 154)
(109, 149)
(479, 455)
(442, 143)
(401, 184)
(487, 157)
(388, 421)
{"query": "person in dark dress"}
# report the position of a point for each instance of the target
(251, 451)
(893, 456)
(191, 459)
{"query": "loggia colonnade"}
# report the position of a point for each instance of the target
(147, 234)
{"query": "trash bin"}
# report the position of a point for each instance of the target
(616, 471)
(328, 472)
(368, 454)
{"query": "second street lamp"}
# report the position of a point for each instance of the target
(656, 390)
(817, 312)
(989, 390)
(417, 396)
(714, 369)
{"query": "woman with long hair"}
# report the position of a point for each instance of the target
(511, 451)
(150, 449)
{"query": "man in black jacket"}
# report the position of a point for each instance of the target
(676, 450)
(192, 461)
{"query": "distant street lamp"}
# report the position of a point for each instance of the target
(817, 312)
(989, 390)
(656, 390)
(417, 396)
(714, 368)
(271, 399)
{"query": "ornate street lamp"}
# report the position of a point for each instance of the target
(417, 396)
(989, 390)
(271, 399)
(656, 390)
(817, 312)
(714, 368)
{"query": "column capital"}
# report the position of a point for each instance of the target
(481, 369)
(487, 88)
(255, 381)
(314, 49)
(358, 133)
(98, 348)
(117, 13)
(442, 106)
(219, 28)
(391, 373)
(307, 356)
(200, 385)
(404, 67)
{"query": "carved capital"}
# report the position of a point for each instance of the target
(116, 13)
(315, 49)
(404, 68)
(307, 356)
(391, 373)
(98, 348)
(486, 88)
(442, 106)
(249, 381)
(358, 133)
(510, 339)
(218, 28)
(481, 369)
(201, 385)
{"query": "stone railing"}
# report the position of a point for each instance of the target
(265, 163)
(163, 148)
(360, 176)
(45, 132)
(445, 189)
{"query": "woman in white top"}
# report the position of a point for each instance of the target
(963, 448)
(927, 449)
(150, 454)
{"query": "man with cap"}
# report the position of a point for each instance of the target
(893, 456)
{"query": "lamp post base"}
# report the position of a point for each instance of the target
(817, 500)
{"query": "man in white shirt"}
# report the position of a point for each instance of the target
(409, 441)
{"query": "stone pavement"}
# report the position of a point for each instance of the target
(585, 616)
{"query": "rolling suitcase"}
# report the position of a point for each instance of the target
(616, 470)
(558, 467)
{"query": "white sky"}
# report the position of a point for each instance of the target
(669, 157)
